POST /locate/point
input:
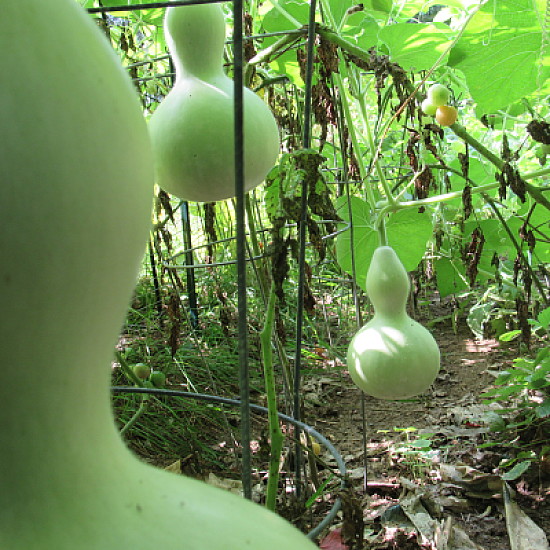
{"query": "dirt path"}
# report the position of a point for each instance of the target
(451, 416)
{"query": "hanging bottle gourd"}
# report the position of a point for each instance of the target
(392, 356)
(76, 191)
(192, 130)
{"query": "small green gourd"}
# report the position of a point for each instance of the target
(76, 191)
(392, 356)
(142, 371)
(192, 130)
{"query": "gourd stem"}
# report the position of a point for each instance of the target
(260, 269)
(144, 404)
(275, 435)
(128, 372)
(538, 174)
(372, 146)
(263, 280)
(381, 228)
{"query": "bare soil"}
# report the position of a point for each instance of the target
(458, 480)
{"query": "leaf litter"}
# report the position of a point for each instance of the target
(448, 495)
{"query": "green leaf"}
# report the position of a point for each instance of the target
(509, 336)
(416, 47)
(495, 421)
(543, 410)
(410, 8)
(364, 33)
(500, 54)
(408, 232)
(519, 469)
(283, 16)
(365, 238)
(286, 15)
(450, 277)
(477, 317)
(339, 9)
(287, 64)
(544, 317)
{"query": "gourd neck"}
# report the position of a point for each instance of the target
(57, 422)
(395, 318)
(388, 284)
(195, 36)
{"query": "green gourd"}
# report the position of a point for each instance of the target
(76, 191)
(392, 356)
(192, 130)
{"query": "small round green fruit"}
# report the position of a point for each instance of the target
(142, 371)
(428, 107)
(158, 379)
(438, 94)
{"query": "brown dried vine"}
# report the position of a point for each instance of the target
(509, 178)
(472, 254)
(383, 68)
(467, 201)
(322, 96)
(539, 130)
(173, 307)
(284, 202)
(425, 180)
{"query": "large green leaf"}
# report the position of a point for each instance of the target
(362, 237)
(449, 277)
(287, 64)
(500, 53)
(416, 47)
(364, 31)
(408, 232)
(283, 16)
(286, 15)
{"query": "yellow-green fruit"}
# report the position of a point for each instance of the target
(438, 95)
(142, 371)
(428, 107)
(392, 356)
(192, 130)
(446, 115)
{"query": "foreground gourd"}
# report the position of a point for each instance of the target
(192, 130)
(76, 182)
(392, 356)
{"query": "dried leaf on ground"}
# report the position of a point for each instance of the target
(333, 541)
(524, 533)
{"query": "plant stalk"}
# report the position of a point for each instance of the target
(275, 433)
